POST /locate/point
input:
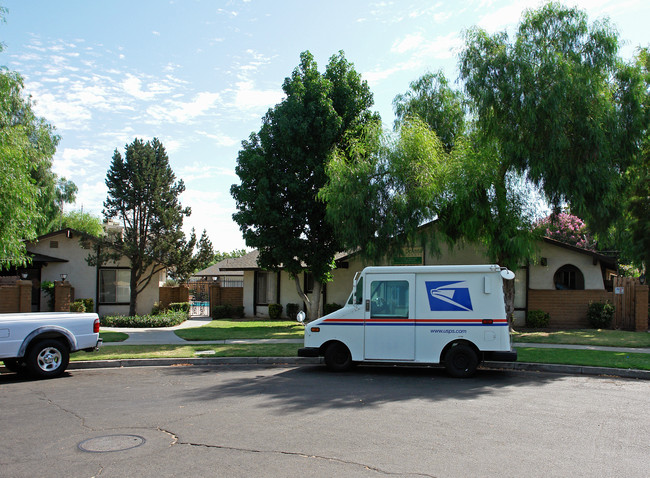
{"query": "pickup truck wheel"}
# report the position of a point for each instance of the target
(47, 359)
(461, 361)
(14, 365)
(338, 358)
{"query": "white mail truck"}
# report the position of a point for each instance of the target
(451, 315)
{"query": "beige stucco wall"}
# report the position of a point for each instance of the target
(83, 277)
(541, 277)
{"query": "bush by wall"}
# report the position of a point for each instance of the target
(275, 311)
(167, 319)
(537, 319)
(180, 307)
(600, 314)
(77, 306)
(221, 312)
(292, 311)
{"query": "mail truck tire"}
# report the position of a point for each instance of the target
(338, 358)
(461, 361)
(47, 359)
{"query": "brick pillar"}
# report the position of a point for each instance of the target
(62, 296)
(215, 296)
(24, 295)
(641, 308)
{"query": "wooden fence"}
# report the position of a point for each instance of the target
(631, 302)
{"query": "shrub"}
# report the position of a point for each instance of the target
(77, 306)
(275, 311)
(238, 311)
(600, 314)
(89, 304)
(48, 287)
(222, 312)
(171, 283)
(292, 311)
(537, 319)
(156, 309)
(167, 319)
(329, 308)
(180, 307)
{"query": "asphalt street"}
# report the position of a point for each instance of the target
(277, 421)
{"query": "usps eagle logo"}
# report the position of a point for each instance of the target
(447, 296)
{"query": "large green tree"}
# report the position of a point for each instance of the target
(559, 105)
(143, 195)
(282, 169)
(193, 256)
(27, 144)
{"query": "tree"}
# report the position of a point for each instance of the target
(282, 169)
(27, 144)
(559, 105)
(431, 99)
(83, 222)
(192, 256)
(143, 195)
(566, 228)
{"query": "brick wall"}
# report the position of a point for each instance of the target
(63, 296)
(641, 312)
(567, 308)
(169, 295)
(233, 296)
(16, 297)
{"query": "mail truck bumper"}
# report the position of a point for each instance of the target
(501, 356)
(309, 352)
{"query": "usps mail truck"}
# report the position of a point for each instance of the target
(451, 315)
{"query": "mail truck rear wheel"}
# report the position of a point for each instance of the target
(337, 357)
(461, 361)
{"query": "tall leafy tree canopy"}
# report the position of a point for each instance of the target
(559, 105)
(282, 168)
(143, 195)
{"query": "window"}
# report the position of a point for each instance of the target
(309, 283)
(569, 277)
(358, 293)
(266, 288)
(389, 299)
(114, 286)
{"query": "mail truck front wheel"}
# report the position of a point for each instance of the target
(337, 357)
(461, 361)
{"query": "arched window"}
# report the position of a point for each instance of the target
(569, 277)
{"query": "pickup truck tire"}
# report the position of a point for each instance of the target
(47, 358)
(461, 361)
(14, 365)
(338, 358)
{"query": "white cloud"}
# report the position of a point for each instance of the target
(133, 86)
(247, 97)
(179, 112)
(408, 43)
(220, 139)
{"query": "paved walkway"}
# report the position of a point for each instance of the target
(166, 335)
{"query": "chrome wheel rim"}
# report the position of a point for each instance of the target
(49, 359)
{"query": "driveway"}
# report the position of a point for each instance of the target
(277, 421)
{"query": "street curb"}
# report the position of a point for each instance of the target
(519, 366)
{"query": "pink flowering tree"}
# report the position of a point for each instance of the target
(566, 228)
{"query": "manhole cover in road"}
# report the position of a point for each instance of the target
(111, 443)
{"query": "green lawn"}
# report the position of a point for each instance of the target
(110, 336)
(611, 338)
(115, 352)
(244, 329)
(594, 358)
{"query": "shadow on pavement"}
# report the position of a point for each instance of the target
(313, 387)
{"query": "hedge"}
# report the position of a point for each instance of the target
(167, 319)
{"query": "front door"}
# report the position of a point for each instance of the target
(389, 320)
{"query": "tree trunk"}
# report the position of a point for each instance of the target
(509, 296)
(133, 297)
(313, 306)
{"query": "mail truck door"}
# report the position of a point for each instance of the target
(389, 318)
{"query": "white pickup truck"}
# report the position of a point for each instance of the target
(40, 343)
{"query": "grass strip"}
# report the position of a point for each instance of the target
(110, 336)
(610, 338)
(186, 351)
(593, 358)
(238, 329)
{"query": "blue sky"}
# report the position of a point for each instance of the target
(199, 75)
